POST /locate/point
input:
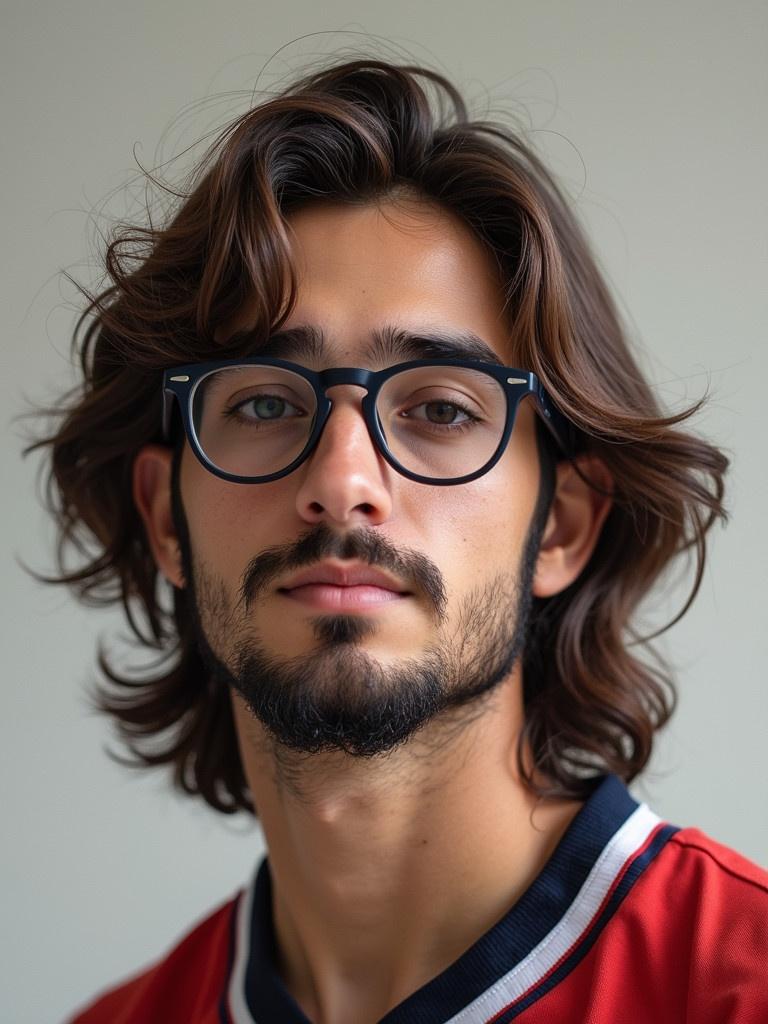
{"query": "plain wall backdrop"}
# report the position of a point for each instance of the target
(653, 116)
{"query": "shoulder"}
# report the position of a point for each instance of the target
(184, 987)
(714, 880)
(703, 895)
(720, 861)
(698, 915)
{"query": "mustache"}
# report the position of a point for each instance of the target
(365, 545)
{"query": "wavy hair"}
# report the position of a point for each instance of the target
(358, 132)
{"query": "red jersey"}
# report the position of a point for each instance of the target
(631, 920)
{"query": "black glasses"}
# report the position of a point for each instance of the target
(446, 422)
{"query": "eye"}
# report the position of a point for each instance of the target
(439, 413)
(265, 407)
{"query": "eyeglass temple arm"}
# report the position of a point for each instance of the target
(168, 398)
(559, 425)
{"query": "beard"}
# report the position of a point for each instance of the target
(338, 697)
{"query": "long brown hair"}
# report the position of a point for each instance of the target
(354, 133)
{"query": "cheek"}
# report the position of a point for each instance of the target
(474, 531)
(227, 525)
(495, 512)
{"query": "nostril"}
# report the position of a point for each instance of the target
(366, 507)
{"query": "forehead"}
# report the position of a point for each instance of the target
(387, 281)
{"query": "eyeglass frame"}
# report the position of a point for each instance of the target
(181, 383)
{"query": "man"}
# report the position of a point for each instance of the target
(365, 404)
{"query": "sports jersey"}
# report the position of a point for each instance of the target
(630, 921)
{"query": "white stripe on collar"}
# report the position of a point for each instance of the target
(236, 1001)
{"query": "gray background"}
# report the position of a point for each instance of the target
(653, 114)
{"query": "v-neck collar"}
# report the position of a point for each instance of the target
(555, 914)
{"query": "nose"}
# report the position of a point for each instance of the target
(346, 481)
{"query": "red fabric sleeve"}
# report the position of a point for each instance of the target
(183, 988)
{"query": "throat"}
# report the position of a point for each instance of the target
(406, 878)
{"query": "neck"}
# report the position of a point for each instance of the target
(402, 861)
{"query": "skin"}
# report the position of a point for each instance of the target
(385, 870)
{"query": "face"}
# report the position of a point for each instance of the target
(347, 604)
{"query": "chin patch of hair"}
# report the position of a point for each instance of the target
(331, 630)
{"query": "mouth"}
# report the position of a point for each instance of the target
(340, 588)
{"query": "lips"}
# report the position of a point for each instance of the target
(343, 588)
(344, 576)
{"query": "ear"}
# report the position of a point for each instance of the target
(152, 497)
(575, 520)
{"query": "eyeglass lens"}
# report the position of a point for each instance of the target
(439, 421)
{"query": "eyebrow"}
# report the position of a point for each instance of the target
(387, 345)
